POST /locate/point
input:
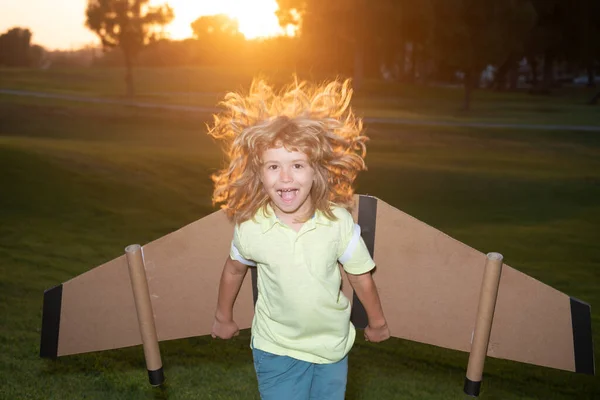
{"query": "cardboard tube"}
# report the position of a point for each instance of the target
(483, 324)
(143, 305)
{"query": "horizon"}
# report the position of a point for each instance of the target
(256, 19)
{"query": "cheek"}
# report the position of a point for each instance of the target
(309, 180)
(266, 179)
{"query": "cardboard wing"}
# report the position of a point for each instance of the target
(429, 286)
(96, 310)
(430, 283)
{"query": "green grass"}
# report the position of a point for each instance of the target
(80, 182)
(204, 86)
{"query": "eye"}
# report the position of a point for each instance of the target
(272, 166)
(298, 166)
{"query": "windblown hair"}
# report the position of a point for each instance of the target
(313, 119)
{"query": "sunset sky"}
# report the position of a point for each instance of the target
(60, 25)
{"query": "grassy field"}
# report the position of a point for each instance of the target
(204, 87)
(79, 182)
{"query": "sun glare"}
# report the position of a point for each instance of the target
(256, 18)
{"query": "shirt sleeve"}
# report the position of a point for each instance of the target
(353, 253)
(237, 250)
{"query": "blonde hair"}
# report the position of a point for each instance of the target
(313, 119)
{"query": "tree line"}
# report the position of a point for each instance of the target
(401, 40)
(430, 39)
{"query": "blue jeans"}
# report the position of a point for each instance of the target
(282, 377)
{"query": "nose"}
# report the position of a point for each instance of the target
(285, 175)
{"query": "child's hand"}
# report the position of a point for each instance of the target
(377, 333)
(224, 329)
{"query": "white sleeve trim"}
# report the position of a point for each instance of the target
(351, 246)
(238, 257)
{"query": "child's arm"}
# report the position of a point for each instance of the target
(365, 289)
(231, 281)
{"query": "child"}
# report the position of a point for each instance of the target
(293, 157)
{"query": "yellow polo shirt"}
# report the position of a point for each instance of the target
(301, 311)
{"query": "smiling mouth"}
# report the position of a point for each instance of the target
(287, 194)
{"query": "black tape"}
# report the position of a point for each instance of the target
(156, 377)
(472, 388)
(367, 219)
(581, 319)
(51, 322)
(254, 274)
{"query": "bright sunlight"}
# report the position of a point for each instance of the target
(256, 18)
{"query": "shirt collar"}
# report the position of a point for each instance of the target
(267, 219)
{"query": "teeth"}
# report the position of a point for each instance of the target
(281, 191)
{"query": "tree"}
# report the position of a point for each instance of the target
(413, 26)
(471, 34)
(214, 27)
(331, 31)
(341, 34)
(580, 26)
(37, 55)
(548, 41)
(590, 31)
(218, 39)
(15, 47)
(127, 24)
(565, 34)
(363, 34)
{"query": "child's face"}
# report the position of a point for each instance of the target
(287, 177)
